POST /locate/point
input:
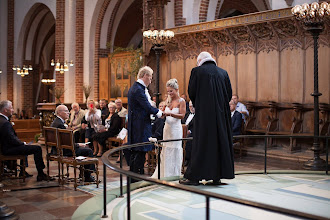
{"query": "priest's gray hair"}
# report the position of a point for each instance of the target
(173, 83)
(4, 105)
(143, 71)
(203, 57)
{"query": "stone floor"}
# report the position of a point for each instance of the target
(48, 201)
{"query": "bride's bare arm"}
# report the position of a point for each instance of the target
(182, 111)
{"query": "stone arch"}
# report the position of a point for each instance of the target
(37, 28)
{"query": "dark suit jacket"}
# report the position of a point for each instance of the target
(57, 123)
(139, 122)
(157, 128)
(8, 137)
(236, 121)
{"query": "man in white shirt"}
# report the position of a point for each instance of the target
(240, 107)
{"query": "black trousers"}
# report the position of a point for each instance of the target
(28, 150)
(137, 160)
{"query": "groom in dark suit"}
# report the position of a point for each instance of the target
(139, 123)
(11, 145)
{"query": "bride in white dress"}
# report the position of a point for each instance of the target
(171, 155)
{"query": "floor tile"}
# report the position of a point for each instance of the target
(24, 208)
(63, 212)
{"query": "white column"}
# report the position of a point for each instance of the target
(69, 50)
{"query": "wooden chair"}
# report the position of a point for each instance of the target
(14, 158)
(65, 141)
(184, 135)
(50, 135)
(114, 141)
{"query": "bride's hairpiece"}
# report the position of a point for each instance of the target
(173, 83)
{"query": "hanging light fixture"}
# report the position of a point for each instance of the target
(61, 67)
(22, 71)
(48, 81)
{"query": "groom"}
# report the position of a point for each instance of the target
(139, 122)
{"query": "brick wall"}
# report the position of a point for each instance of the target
(112, 19)
(203, 10)
(59, 39)
(10, 50)
(79, 61)
(178, 13)
(98, 51)
(27, 96)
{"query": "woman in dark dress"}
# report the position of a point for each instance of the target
(111, 129)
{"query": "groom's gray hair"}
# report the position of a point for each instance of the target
(143, 71)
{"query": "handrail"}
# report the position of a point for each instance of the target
(129, 174)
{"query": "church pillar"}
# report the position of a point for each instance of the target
(79, 60)
(59, 40)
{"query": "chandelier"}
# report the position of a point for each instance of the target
(311, 14)
(158, 38)
(23, 71)
(48, 81)
(61, 67)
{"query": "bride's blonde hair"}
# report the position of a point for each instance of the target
(173, 83)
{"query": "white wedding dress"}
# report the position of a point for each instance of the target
(171, 155)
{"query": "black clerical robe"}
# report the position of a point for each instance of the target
(212, 153)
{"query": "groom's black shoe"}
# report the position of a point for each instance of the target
(189, 182)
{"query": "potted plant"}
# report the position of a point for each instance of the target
(57, 92)
(87, 91)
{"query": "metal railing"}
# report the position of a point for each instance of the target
(208, 195)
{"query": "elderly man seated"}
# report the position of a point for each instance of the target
(240, 107)
(62, 114)
(11, 145)
(76, 116)
(121, 111)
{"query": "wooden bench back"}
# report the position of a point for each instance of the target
(65, 141)
(26, 124)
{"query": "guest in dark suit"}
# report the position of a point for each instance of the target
(139, 122)
(158, 124)
(187, 103)
(62, 113)
(104, 110)
(11, 145)
(236, 118)
(189, 121)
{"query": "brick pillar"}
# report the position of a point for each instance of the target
(59, 40)
(10, 50)
(178, 13)
(203, 10)
(27, 96)
(79, 61)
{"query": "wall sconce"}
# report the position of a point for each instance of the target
(61, 67)
(23, 71)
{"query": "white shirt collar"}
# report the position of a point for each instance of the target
(232, 113)
(4, 116)
(141, 82)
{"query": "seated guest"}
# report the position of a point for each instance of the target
(240, 107)
(11, 145)
(120, 110)
(104, 110)
(158, 124)
(111, 129)
(62, 114)
(236, 118)
(189, 121)
(93, 119)
(187, 103)
(76, 116)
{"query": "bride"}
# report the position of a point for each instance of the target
(171, 155)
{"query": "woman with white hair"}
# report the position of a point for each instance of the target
(111, 129)
(171, 155)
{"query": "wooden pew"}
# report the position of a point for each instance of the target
(26, 129)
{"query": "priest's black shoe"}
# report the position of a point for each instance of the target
(189, 182)
(214, 183)
(44, 177)
(27, 175)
